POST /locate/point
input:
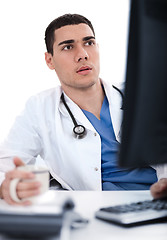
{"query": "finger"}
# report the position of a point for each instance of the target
(28, 189)
(159, 189)
(25, 194)
(10, 201)
(160, 185)
(19, 174)
(163, 181)
(22, 185)
(6, 184)
(7, 197)
(18, 162)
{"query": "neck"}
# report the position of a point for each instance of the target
(89, 99)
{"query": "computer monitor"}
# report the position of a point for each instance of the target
(144, 128)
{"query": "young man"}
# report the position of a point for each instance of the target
(77, 160)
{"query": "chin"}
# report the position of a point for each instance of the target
(86, 85)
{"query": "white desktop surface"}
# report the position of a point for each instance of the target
(87, 202)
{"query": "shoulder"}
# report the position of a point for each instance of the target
(43, 102)
(47, 96)
(49, 93)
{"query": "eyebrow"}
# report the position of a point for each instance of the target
(66, 42)
(88, 38)
(72, 41)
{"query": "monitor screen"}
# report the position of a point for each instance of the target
(144, 127)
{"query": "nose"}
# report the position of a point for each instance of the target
(81, 55)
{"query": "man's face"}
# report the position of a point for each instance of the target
(75, 56)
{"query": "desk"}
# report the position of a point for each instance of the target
(87, 202)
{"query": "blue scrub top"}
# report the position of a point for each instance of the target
(113, 177)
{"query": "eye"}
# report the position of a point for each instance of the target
(67, 47)
(89, 43)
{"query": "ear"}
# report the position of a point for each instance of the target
(49, 60)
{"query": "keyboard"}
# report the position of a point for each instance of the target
(135, 213)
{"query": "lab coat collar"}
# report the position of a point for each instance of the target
(115, 102)
(76, 111)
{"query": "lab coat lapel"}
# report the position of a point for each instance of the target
(115, 103)
(77, 112)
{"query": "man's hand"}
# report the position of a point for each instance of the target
(24, 189)
(159, 189)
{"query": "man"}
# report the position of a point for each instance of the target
(45, 127)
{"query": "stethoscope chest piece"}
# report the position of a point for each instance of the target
(79, 131)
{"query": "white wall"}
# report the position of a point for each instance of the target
(23, 71)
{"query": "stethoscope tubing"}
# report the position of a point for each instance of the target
(68, 109)
(79, 130)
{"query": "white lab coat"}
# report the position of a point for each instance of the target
(45, 128)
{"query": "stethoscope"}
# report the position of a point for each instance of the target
(79, 130)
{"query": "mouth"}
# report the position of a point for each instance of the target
(84, 70)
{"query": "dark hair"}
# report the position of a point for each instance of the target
(67, 19)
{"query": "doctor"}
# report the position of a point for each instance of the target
(75, 127)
